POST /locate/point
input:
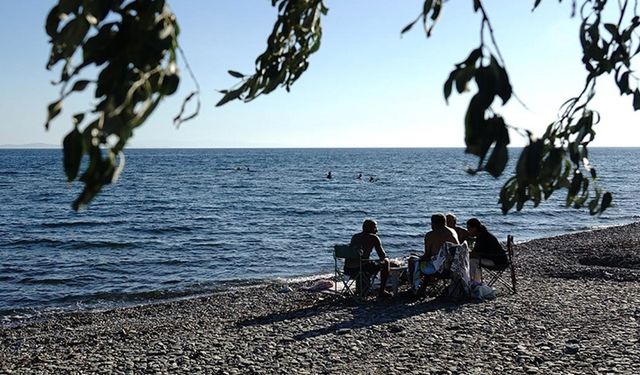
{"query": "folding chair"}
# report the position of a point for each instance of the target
(443, 283)
(497, 273)
(434, 285)
(361, 281)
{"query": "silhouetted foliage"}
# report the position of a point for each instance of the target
(134, 46)
(132, 49)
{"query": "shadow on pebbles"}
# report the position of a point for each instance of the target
(577, 311)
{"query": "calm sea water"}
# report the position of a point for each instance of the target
(184, 222)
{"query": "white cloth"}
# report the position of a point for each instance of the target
(452, 257)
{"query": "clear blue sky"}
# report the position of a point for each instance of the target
(366, 87)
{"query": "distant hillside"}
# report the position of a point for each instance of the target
(31, 145)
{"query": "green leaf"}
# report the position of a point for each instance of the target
(623, 83)
(53, 20)
(236, 74)
(535, 5)
(315, 46)
(613, 29)
(231, 95)
(73, 33)
(499, 157)
(574, 154)
(507, 195)
(72, 153)
(497, 161)
(463, 77)
(535, 194)
(448, 85)
(473, 57)
(574, 188)
(54, 110)
(170, 84)
(97, 8)
(503, 86)
(407, 28)
(80, 85)
(437, 7)
(529, 166)
(486, 81)
(69, 6)
(593, 205)
(521, 198)
(579, 202)
(636, 100)
(607, 198)
(426, 8)
(552, 166)
(475, 122)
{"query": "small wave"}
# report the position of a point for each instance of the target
(301, 279)
(316, 212)
(48, 281)
(207, 244)
(167, 230)
(171, 282)
(8, 269)
(172, 262)
(100, 244)
(35, 241)
(69, 224)
(119, 297)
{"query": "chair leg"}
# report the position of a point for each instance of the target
(363, 287)
(513, 279)
(422, 289)
(431, 287)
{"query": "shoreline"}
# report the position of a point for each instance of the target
(43, 314)
(577, 310)
(22, 317)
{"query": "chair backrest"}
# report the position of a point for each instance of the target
(347, 252)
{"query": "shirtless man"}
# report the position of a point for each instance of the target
(438, 235)
(433, 240)
(369, 240)
(462, 233)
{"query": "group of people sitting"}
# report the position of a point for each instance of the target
(485, 247)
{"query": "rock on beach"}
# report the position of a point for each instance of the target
(577, 311)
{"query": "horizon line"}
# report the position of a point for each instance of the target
(55, 147)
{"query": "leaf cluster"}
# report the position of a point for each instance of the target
(431, 11)
(295, 36)
(609, 47)
(559, 159)
(483, 133)
(133, 47)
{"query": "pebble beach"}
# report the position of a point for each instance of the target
(577, 311)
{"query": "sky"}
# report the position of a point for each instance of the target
(367, 86)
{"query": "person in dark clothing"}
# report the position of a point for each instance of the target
(368, 240)
(487, 249)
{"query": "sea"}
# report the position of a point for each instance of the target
(188, 222)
